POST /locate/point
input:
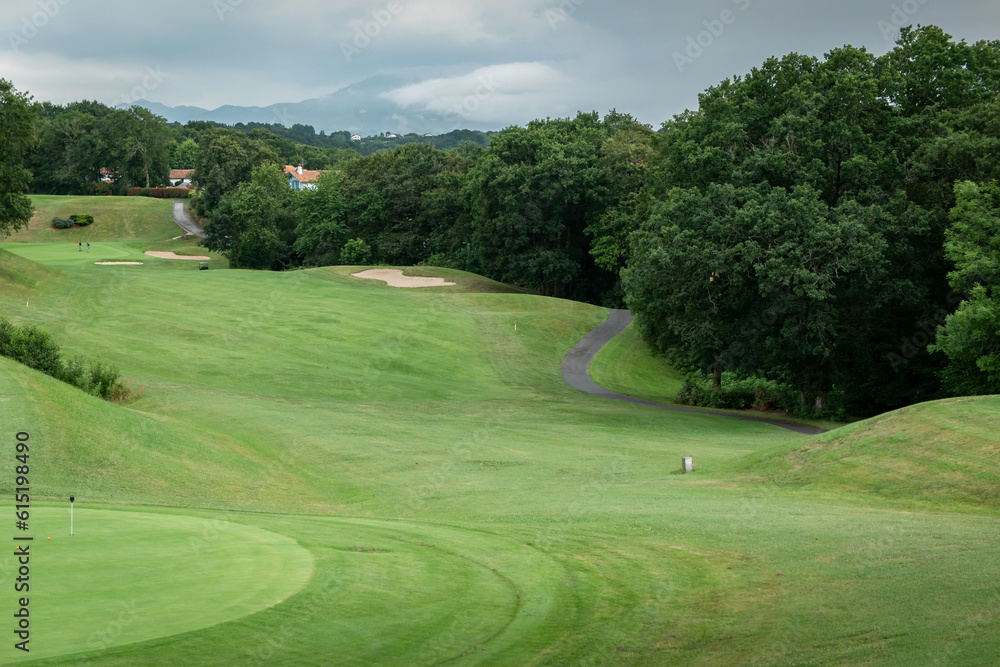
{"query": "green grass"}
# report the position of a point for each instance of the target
(626, 365)
(127, 577)
(941, 451)
(458, 502)
(115, 219)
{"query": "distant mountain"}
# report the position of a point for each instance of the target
(357, 108)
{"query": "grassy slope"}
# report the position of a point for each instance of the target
(459, 500)
(627, 366)
(115, 219)
(942, 452)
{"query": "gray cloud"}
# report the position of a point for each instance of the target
(548, 57)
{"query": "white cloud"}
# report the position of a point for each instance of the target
(498, 93)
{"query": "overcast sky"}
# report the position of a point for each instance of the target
(507, 61)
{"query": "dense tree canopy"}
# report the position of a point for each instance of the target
(17, 137)
(799, 226)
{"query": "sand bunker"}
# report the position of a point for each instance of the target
(118, 263)
(395, 278)
(173, 255)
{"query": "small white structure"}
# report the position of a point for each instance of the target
(181, 178)
(687, 465)
(301, 179)
(355, 137)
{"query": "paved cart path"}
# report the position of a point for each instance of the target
(186, 223)
(576, 373)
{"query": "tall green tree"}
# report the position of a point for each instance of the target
(970, 338)
(225, 159)
(254, 226)
(752, 278)
(532, 196)
(321, 233)
(138, 146)
(17, 137)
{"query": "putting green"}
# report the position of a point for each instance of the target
(127, 577)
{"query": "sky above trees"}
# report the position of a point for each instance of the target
(520, 59)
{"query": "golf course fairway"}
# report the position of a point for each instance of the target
(127, 577)
(316, 469)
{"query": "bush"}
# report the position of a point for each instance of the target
(756, 393)
(62, 223)
(160, 193)
(105, 380)
(35, 348)
(356, 253)
(82, 219)
(31, 346)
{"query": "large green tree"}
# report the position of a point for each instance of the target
(17, 137)
(532, 196)
(970, 338)
(877, 142)
(254, 226)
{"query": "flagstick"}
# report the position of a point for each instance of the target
(71, 516)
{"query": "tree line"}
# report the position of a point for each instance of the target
(829, 224)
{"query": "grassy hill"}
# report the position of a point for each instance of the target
(115, 219)
(942, 452)
(444, 497)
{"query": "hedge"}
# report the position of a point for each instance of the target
(159, 193)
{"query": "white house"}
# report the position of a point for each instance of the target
(301, 179)
(181, 178)
(355, 137)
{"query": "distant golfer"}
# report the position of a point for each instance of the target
(81, 246)
(88, 246)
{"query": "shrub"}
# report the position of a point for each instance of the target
(74, 372)
(355, 252)
(82, 219)
(105, 380)
(160, 193)
(62, 223)
(31, 346)
(35, 348)
(756, 393)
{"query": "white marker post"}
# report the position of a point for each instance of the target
(71, 499)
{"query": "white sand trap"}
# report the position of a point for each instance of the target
(395, 278)
(173, 255)
(118, 263)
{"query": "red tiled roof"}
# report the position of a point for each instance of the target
(307, 175)
(181, 173)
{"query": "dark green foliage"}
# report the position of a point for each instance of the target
(356, 253)
(796, 220)
(82, 219)
(31, 346)
(755, 393)
(321, 232)
(970, 338)
(254, 226)
(34, 347)
(17, 138)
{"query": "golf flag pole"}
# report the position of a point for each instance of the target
(71, 499)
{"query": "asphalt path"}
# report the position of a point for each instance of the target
(576, 373)
(186, 223)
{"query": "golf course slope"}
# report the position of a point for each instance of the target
(940, 451)
(437, 494)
